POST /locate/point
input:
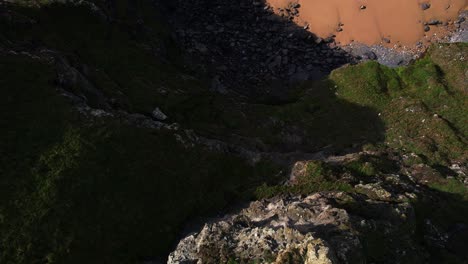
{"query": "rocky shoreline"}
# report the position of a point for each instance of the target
(249, 47)
(254, 50)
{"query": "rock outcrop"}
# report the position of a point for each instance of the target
(379, 220)
(276, 231)
(314, 229)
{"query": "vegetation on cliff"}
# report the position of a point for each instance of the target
(76, 189)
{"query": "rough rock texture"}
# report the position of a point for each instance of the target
(394, 57)
(375, 222)
(386, 56)
(253, 50)
(276, 231)
(462, 25)
(248, 46)
(313, 229)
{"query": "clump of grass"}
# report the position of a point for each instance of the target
(452, 186)
(362, 168)
(318, 177)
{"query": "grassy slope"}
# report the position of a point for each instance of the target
(140, 68)
(75, 191)
(423, 106)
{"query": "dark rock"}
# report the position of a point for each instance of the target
(434, 22)
(260, 44)
(425, 6)
(158, 114)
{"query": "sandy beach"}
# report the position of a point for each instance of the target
(395, 22)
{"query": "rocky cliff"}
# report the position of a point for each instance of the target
(387, 215)
(126, 122)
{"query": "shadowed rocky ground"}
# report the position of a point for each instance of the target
(250, 49)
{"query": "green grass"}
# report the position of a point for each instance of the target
(365, 168)
(451, 186)
(75, 191)
(368, 165)
(317, 178)
(423, 106)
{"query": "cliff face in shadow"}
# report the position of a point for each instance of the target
(250, 50)
(119, 129)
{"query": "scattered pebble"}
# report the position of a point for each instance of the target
(425, 6)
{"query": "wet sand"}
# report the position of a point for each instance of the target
(391, 22)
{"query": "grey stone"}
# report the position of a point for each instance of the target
(425, 6)
(158, 114)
